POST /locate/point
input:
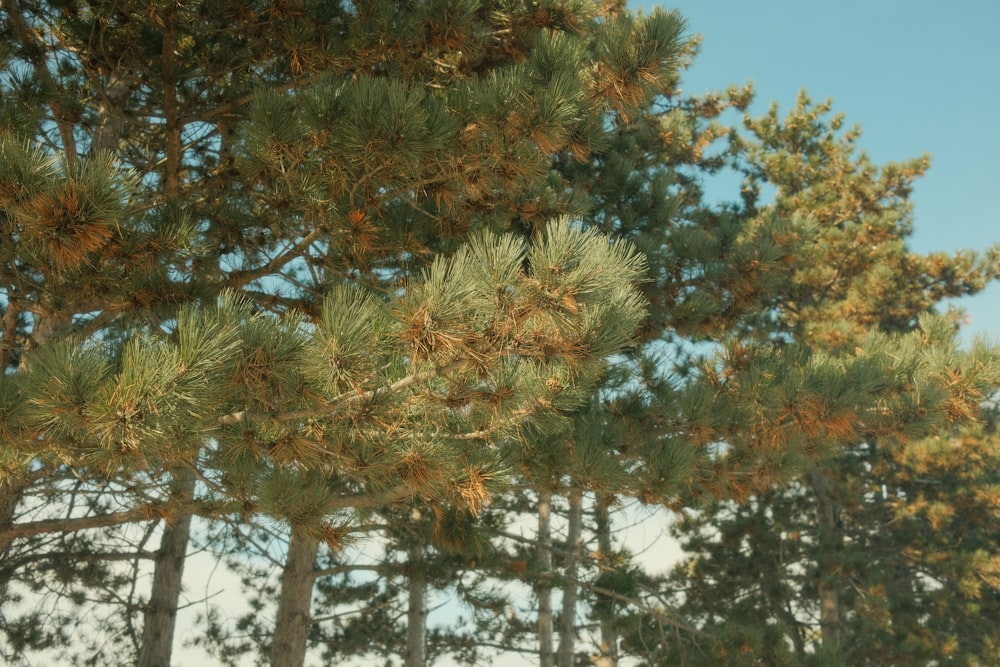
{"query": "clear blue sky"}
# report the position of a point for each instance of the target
(919, 76)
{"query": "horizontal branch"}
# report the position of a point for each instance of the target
(335, 403)
(72, 524)
(658, 614)
(74, 556)
(367, 500)
(240, 278)
(331, 617)
(341, 569)
(506, 648)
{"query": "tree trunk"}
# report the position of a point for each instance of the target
(830, 537)
(10, 497)
(160, 617)
(567, 619)
(416, 613)
(543, 587)
(291, 629)
(608, 647)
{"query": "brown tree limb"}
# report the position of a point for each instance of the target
(72, 524)
(170, 110)
(36, 54)
(331, 405)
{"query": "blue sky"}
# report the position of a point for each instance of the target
(918, 76)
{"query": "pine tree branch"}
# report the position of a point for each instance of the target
(107, 556)
(36, 54)
(367, 500)
(331, 617)
(659, 614)
(340, 569)
(330, 406)
(533, 651)
(32, 528)
(275, 303)
(240, 278)
(356, 186)
(632, 602)
(148, 512)
(230, 108)
(96, 323)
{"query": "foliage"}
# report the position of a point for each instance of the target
(374, 271)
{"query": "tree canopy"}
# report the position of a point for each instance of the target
(281, 277)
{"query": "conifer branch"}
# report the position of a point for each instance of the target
(69, 525)
(340, 569)
(369, 608)
(36, 53)
(333, 404)
(240, 278)
(632, 602)
(96, 323)
(76, 556)
(371, 500)
(658, 614)
(230, 108)
(507, 648)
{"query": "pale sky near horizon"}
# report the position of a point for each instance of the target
(918, 76)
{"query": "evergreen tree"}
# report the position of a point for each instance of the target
(291, 268)
(157, 156)
(789, 294)
(849, 564)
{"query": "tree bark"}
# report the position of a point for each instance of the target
(608, 647)
(67, 525)
(830, 535)
(543, 587)
(291, 629)
(160, 617)
(171, 113)
(10, 497)
(567, 619)
(416, 613)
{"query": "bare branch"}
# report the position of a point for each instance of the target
(69, 525)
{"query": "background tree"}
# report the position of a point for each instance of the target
(835, 567)
(787, 378)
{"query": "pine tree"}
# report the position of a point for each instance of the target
(291, 269)
(838, 567)
(788, 295)
(157, 156)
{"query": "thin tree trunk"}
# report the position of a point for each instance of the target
(10, 497)
(160, 617)
(830, 542)
(416, 613)
(543, 587)
(567, 619)
(291, 629)
(608, 647)
(171, 114)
